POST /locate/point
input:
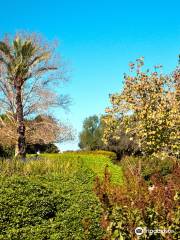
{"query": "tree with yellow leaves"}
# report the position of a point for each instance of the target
(148, 109)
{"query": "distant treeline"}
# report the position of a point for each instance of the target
(8, 151)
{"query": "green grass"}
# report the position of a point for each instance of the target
(95, 162)
(65, 163)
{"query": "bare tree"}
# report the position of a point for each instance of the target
(30, 74)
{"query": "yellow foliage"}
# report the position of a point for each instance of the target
(148, 108)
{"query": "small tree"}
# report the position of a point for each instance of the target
(149, 110)
(29, 71)
(91, 135)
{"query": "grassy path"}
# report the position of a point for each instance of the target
(96, 163)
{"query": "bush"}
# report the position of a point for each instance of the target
(148, 166)
(6, 151)
(51, 206)
(135, 205)
(42, 148)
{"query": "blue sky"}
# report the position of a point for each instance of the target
(98, 39)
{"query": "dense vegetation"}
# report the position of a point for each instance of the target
(91, 193)
(142, 119)
(8, 151)
(84, 195)
(149, 199)
(91, 138)
(51, 197)
(91, 135)
(142, 126)
(147, 110)
(29, 70)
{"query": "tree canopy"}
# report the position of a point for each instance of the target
(91, 135)
(148, 109)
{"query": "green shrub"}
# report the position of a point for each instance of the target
(6, 151)
(52, 206)
(150, 165)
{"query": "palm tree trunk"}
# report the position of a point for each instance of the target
(21, 141)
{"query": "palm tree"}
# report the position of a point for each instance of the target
(23, 59)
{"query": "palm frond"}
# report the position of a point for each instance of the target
(3, 60)
(17, 46)
(40, 58)
(45, 69)
(28, 49)
(5, 49)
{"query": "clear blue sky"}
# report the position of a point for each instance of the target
(99, 38)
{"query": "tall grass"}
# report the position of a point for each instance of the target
(40, 166)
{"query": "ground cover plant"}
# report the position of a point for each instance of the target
(90, 193)
(51, 197)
